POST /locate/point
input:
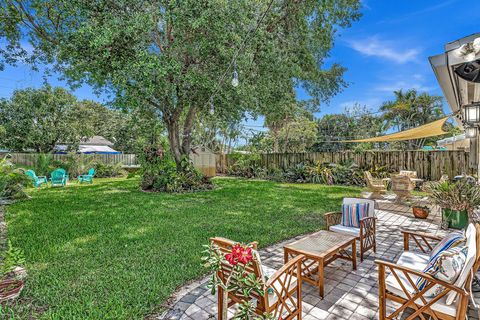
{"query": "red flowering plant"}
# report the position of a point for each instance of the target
(238, 280)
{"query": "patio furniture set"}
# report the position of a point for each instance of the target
(439, 296)
(58, 177)
(401, 184)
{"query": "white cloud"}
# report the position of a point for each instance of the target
(418, 76)
(365, 5)
(375, 47)
(405, 85)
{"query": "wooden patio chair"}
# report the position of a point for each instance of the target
(366, 234)
(410, 174)
(283, 290)
(376, 186)
(402, 186)
(399, 286)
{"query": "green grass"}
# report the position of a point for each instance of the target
(110, 251)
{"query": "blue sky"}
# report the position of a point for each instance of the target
(386, 50)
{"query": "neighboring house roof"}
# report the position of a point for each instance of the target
(97, 141)
(97, 149)
(95, 144)
(457, 138)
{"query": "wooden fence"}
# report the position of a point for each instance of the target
(430, 165)
(28, 159)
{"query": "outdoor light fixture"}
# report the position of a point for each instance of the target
(472, 113)
(476, 44)
(471, 132)
(235, 78)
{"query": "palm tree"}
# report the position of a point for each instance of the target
(410, 110)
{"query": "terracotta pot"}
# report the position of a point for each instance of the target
(10, 289)
(420, 213)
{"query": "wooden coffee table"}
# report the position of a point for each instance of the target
(320, 249)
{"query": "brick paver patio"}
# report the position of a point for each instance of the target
(348, 294)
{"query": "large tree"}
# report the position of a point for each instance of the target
(357, 122)
(39, 119)
(175, 55)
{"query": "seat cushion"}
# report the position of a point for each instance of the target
(413, 260)
(410, 260)
(267, 272)
(417, 262)
(272, 293)
(352, 214)
(348, 230)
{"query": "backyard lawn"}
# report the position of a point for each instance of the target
(110, 251)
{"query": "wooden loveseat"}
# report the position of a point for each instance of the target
(397, 281)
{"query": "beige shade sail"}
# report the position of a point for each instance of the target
(431, 129)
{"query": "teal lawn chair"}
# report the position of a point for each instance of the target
(58, 177)
(64, 172)
(37, 180)
(87, 177)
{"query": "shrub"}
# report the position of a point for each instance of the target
(245, 165)
(159, 173)
(320, 173)
(12, 181)
(347, 173)
(75, 164)
(107, 170)
(297, 173)
(44, 164)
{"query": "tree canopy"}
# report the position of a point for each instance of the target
(178, 56)
(356, 122)
(40, 119)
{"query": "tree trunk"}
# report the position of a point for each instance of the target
(180, 148)
(285, 143)
(275, 142)
(174, 141)
(187, 131)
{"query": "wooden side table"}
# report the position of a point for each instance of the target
(320, 249)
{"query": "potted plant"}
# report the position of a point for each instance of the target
(240, 280)
(420, 211)
(457, 199)
(12, 274)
